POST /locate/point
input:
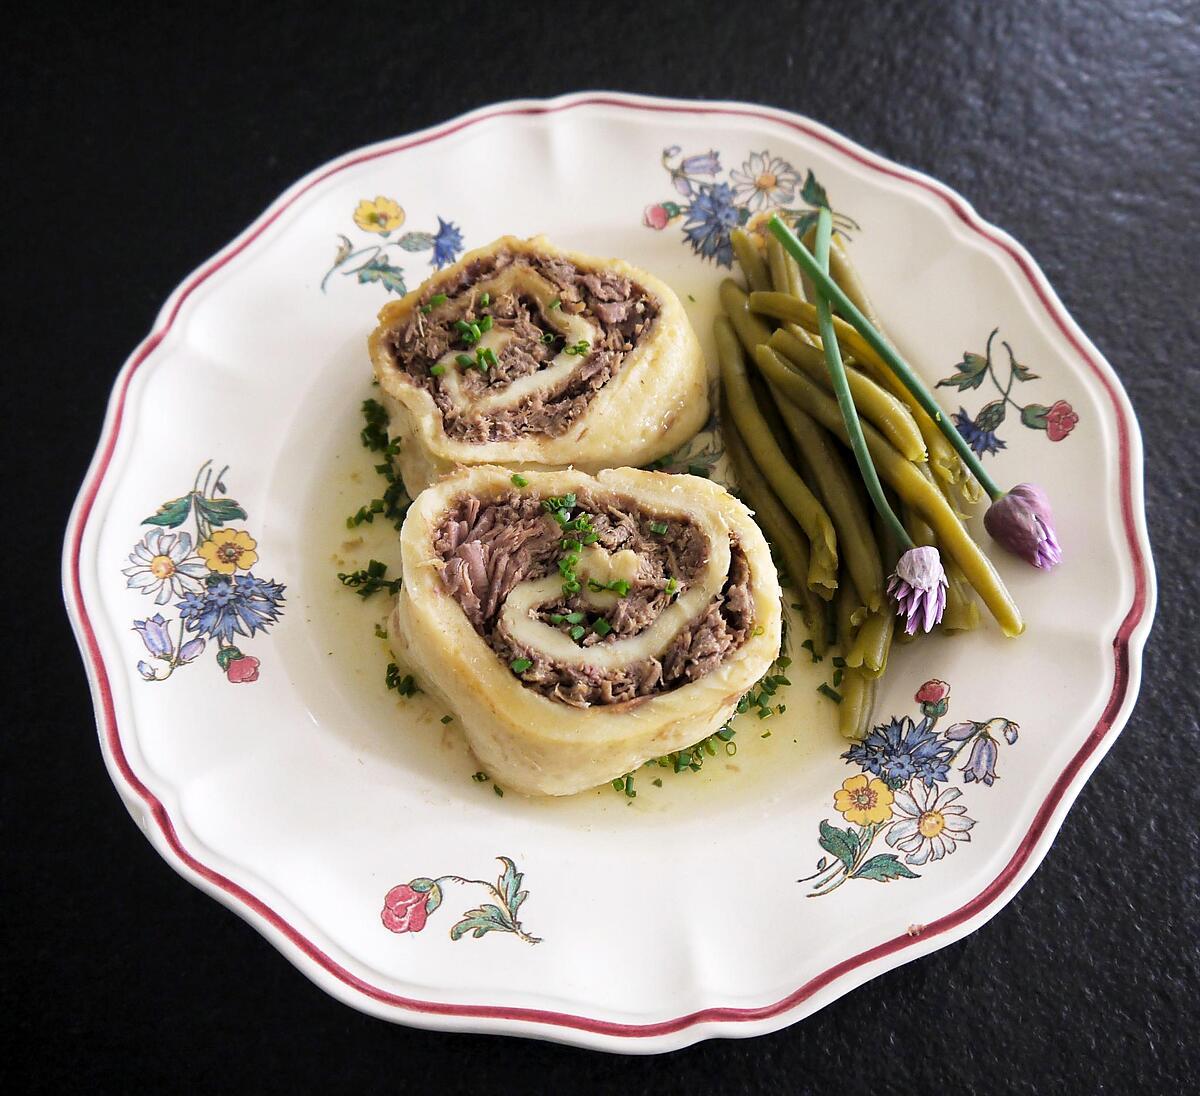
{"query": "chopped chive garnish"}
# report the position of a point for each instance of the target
(485, 323)
(574, 618)
(698, 470)
(548, 338)
(498, 790)
(425, 309)
(437, 370)
(520, 665)
(556, 303)
(577, 349)
(672, 586)
(519, 480)
(618, 784)
(602, 627)
(837, 660)
(619, 586)
(577, 632)
(380, 632)
(485, 298)
(629, 786)
(783, 662)
(830, 692)
(438, 299)
(657, 781)
(465, 360)
(837, 677)
(480, 777)
(374, 434)
(808, 646)
(447, 719)
(557, 618)
(405, 686)
(370, 580)
(489, 355)
(571, 586)
(658, 527)
(481, 360)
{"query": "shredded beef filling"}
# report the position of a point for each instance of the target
(621, 308)
(488, 548)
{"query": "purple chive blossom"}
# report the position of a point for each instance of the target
(981, 765)
(155, 635)
(1023, 522)
(919, 587)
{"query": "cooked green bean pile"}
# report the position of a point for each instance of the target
(787, 441)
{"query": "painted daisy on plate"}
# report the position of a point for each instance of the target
(764, 181)
(163, 565)
(929, 824)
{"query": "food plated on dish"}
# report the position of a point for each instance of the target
(243, 696)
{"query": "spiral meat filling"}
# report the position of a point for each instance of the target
(595, 600)
(516, 343)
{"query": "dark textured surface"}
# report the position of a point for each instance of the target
(137, 146)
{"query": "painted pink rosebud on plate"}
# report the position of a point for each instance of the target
(242, 670)
(1061, 419)
(919, 586)
(934, 698)
(404, 909)
(1023, 522)
(656, 216)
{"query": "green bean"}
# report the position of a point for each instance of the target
(750, 329)
(858, 700)
(850, 612)
(750, 259)
(777, 263)
(875, 404)
(869, 652)
(947, 464)
(831, 480)
(767, 403)
(919, 492)
(793, 492)
(779, 526)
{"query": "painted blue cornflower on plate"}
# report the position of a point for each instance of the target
(447, 243)
(982, 441)
(229, 606)
(711, 217)
(900, 750)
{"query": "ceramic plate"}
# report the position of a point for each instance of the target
(246, 721)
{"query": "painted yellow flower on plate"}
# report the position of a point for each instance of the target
(229, 550)
(382, 215)
(864, 800)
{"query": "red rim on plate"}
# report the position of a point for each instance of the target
(1126, 660)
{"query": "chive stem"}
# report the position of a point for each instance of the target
(831, 291)
(841, 387)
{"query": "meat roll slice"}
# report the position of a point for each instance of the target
(524, 355)
(579, 626)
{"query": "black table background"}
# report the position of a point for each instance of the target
(139, 144)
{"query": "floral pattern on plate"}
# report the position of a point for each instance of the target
(1057, 419)
(209, 572)
(407, 906)
(712, 207)
(904, 795)
(372, 260)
